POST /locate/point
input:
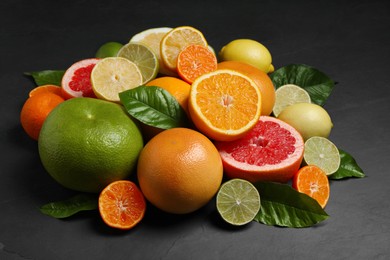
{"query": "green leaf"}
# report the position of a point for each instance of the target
(46, 77)
(348, 168)
(316, 83)
(153, 106)
(69, 207)
(281, 205)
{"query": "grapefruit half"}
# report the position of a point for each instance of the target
(271, 151)
(76, 81)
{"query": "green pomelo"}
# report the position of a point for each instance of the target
(87, 143)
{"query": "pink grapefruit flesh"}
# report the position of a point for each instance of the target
(271, 151)
(76, 81)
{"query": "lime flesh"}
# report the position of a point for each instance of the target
(238, 202)
(321, 152)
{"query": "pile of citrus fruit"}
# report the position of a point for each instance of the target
(93, 135)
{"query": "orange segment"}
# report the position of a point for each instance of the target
(176, 40)
(45, 88)
(313, 181)
(224, 104)
(194, 61)
(122, 204)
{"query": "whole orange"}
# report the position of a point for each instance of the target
(261, 79)
(35, 110)
(179, 170)
(176, 87)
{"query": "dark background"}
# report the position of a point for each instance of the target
(347, 40)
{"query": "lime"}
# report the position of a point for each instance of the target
(112, 75)
(145, 59)
(238, 201)
(109, 49)
(288, 95)
(152, 38)
(87, 143)
(248, 51)
(321, 152)
(309, 119)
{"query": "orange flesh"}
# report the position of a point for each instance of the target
(228, 102)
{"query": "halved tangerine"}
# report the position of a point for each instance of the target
(194, 61)
(175, 41)
(224, 104)
(314, 182)
(122, 204)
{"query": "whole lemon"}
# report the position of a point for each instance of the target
(179, 170)
(248, 51)
(87, 143)
(308, 118)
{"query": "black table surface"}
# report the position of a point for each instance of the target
(347, 40)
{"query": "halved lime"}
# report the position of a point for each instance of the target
(288, 95)
(321, 152)
(238, 202)
(112, 75)
(143, 57)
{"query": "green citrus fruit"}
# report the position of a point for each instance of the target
(309, 119)
(248, 51)
(87, 143)
(109, 49)
(238, 202)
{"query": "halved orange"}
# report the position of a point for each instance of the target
(176, 40)
(313, 181)
(224, 104)
(122, 204)
(194, 61)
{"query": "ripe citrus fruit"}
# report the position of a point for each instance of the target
(312, 181)
(309, 119)
(194, 61)
(175, 41)
(261, 79)
(176, 87)
(87, 143)
(152, 38)
(46, 88)
(35, 110)
(122, 205)
(224, 104)
(287, 95)
(113, 75)
(142, 56)
(76, 81)
(179, 170)
(109, 49)
(248, 51)
(238, 202)
(271, 151)
(321, 152)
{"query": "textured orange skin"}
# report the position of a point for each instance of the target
(261, 79)
(179, 170)
(35, 110)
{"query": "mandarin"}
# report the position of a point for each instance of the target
(36, 109)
